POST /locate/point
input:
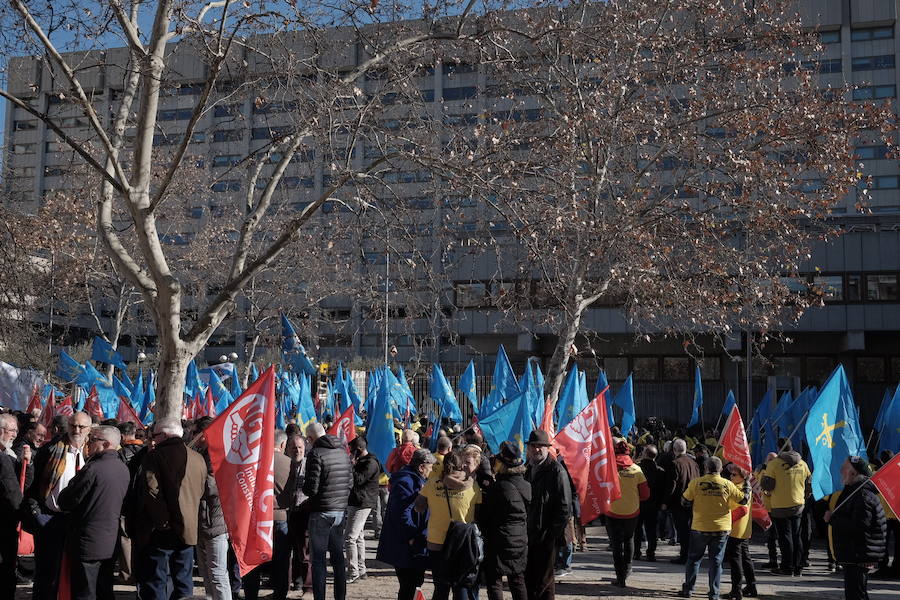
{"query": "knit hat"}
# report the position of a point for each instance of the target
(509, 454)
(860, 465)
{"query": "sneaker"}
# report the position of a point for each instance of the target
(364, 576)
(352, 579)
(637, 555)
(780, 571)
(830, 567)
(619, 582)
(750, 590)
(683, 594)
(733, 595)
(797, 573)
(651, 557)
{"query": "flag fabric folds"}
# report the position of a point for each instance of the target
(380, 425)
(586, 444)
(443, 395)
(503, 385)
(242, 451)
(698, 398)
(624, 399)
(887, 480)
(729, 404)
(832, 433)
(67, 368)
(102, 351)
(290, 341)
(467, 386)
(889, 434)
(344, 427)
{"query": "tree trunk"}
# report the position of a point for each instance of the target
(556, 370)
(170, 376)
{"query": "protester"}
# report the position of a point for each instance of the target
(442, 449)
(648, 518)
(130, 444)
(403, 544)
(363, 495)
(279, 566)
(451, 498)
(33, 435)
(93, 504)
(55, 465)
(548, 514)
(401, 455)
(858, 527)
(711, 499)
(327, 484)
(164, 528)
(212, 534)
(787, 480)
(680, 472)
(737, 549)
(622, 518)
(298, 513)
(10, 502)
(503, 519)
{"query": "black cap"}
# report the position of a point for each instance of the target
(539, 437)
(509, 454)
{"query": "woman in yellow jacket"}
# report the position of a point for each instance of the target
(737, 549)
(622, 518)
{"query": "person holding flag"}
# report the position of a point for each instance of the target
(858, 529)
(786, 479)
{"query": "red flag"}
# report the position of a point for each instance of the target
(344, 427)
(193, 408)
(126, 413)
(26, 542)
(420, 595)
(92, 404)
(735, 449)
(547, 419)
(210, 409)
(34, 405)
(586, 444)
(49, 411)
(65, 407)
(242, 453)
(887, 479)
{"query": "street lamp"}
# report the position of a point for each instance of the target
(223, 358)
(141, 357)
(233, 356)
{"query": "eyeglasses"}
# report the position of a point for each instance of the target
(95, 439)
(73, 426)
(10, 429)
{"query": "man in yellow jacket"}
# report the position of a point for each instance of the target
(787, 480)
(712, 499)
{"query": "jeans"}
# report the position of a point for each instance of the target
(737, 553)
(326, 534)
(701, 543)
(442, 587)
(164, 570)
(856, 579)
(278, 567)
(681, 517)
(380, 506)
(789, 540)
(409, 580)
(647, 525)
(621, 536)
(355, 543)
(212, 560)
(564, 555)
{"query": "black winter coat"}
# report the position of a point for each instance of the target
(366, 473)
(93, 501)
(328, 475)
(656, 481)
(858, 527)
(10, 495)
(211, 521)
(503, 519)
(551, 502)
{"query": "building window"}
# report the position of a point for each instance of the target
(854, 287)
(176, 114)
(870, 152)
(870, 369)
(227, 110)
(872, 33)
(646, 368)
(875, 92)
(616, 368)
(24, 125)
(830, 37)
(228, 135)
(832, 65)
(831, 287)
(710, 367)
(895, 368)
(226, 160)
(460, 93)
(471, 294)
(24, 148)
(873, 63)
(676, 368)
(885, 182)
(881, 288)
(787, 366)
(231, 185)
(818, 368)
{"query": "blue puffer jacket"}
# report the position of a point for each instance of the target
(402, 523)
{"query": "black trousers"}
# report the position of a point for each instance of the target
(92, 579)
(856, 578)
(648, 522)
(9, 545)
(409, 580)
(772, 543)
(790, 542)
(621, 536)
(493, 583)
(682, 519)
(298, 523)
(737, 555)
(539, 579)
(49, 543)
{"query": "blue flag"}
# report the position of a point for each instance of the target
(503, 385)
(68, 369)
(571, 401)
(138, 397)
(524, 423)
(884, 409)
(380, 430)
(102, 351)
(289, 339)
(235, 384)
(220, 393)
(698, 398)
(625, 400)
(729, 404)
(91, 377)
(192, 383)
(499, 426)
(601, 385)
(442, 394)
(408, 401)
(832, 433)
(781, 418)
(120, 388)
(889, 438)
(467, 386)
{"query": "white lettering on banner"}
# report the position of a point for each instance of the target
(265, 527)
(242, 433)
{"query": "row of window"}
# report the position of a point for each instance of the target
(861, 34)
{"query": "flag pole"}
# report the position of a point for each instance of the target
(796, 427)
(850, 495)
(387, 279)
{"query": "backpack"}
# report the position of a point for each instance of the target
(463, 552)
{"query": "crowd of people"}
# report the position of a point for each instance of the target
(110, 503)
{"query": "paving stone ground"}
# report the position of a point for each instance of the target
(592, 571)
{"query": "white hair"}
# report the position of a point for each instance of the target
(410, 436)
(315, 430)
(280, 437)
(8, 420)
(679, 447)
(108, 433)
(170, 426)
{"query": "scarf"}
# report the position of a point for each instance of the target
(54, 469)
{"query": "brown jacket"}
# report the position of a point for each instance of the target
(282, 496)
(174, 477)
